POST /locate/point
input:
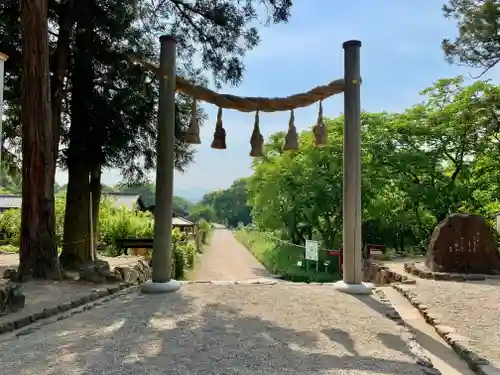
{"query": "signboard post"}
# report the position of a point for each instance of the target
(312, 252)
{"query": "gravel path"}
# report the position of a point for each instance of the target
(48, 294)
(227, 259)
(472, 308)
(219, 329)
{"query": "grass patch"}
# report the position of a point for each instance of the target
(9, 249)
(288, 261)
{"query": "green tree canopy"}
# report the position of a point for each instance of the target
(478, 40)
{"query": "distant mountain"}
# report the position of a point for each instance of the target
(191, 194)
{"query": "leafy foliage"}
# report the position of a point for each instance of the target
(287, 261)
(434, 159)
(114, 222)
(478, 40)
(230, 205)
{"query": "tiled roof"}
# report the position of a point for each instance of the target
(10, 201)
(181, 222)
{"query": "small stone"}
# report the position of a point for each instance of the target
(64, 306)
(223, 282)
(48, 311)
(408, 267)
(22, 322)
(114, 289)
(27, 331)
(93, 296)
(84, 299)
(95, 271)
(424, 362)
(431, 371)
(267, 281)
(76, 302)
(7, 327)
(392, 314)
(443, 330)
(477, 359)
(475, 277)
(488, 370)
(9, 273)
(409, 281)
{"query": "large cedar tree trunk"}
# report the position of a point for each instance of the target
(76, 249)
(61, 61)
(38, 255)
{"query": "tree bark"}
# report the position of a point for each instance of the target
(38, 254)
(61, 62)
(95, 188)
(76, 249)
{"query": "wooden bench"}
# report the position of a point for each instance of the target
(122, 244)
(373, 249)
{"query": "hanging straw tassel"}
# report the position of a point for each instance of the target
(219, 142)
(193, 133)
(257, 140)
(319, 129)
(291, 138)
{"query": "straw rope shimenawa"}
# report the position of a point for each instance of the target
(249, 104)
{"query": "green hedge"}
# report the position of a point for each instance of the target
(204, 230)
(286, 260)
(114, 222)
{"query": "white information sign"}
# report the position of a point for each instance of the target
(312, 250)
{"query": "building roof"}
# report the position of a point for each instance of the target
(130, 201)
(181, 222)
(10, 201)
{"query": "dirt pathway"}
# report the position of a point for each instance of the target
(227, 259)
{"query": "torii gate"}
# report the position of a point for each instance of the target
(162, 281)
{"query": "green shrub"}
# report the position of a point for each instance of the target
(204, 230)
(122, 222)
(9, 248)
(287, 260)
(114, 222)
(10, 226)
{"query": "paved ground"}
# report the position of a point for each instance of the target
(471, 308)
(442, 356)
(229, 328)
(219, 329)
(227, 259)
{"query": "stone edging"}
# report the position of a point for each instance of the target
(444, 276)
(383, 275)
(414, 347)
(476, 362)
(99, 295)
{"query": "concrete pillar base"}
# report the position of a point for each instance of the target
(363, 288)
(150, 287)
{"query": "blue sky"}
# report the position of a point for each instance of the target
(401, 55)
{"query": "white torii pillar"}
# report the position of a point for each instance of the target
(352, 244)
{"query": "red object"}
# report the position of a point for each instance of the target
(339, 254)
